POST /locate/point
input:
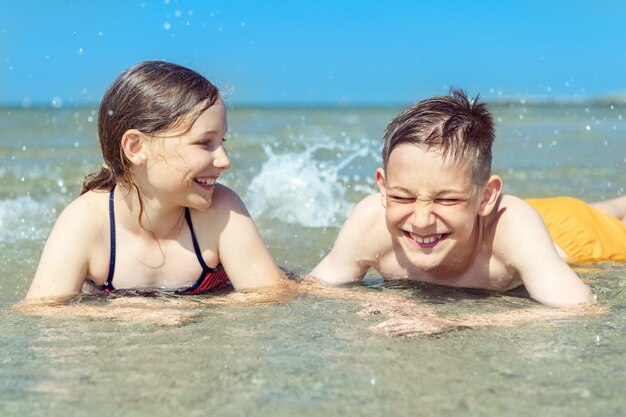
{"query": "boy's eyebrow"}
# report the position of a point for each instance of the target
(439, 192)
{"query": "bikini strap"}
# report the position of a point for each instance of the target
(109, 282)
(196, 247)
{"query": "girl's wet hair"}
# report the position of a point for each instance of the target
(460, 128)
(152, 97)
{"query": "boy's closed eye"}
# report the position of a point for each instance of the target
(401, 199)
(449, 201)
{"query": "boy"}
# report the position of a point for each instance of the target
(440, 216)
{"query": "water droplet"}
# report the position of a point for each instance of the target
(80, 51)
(177, 13)
(167, 25)
(588, 127)
(57, 102)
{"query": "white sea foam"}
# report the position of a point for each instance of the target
(23, 218)
(295, 188)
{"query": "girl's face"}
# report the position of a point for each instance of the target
(182, 168)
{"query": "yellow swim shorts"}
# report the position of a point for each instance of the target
(584, 233)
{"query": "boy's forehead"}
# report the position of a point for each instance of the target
(415, 163)
(407, 152)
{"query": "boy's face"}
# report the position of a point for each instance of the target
(432, 207)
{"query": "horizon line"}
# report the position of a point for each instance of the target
(498, 101)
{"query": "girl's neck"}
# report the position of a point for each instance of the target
(161, 220)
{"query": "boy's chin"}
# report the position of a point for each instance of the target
(424, 259)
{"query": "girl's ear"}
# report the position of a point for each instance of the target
(491, 194)
(133, 143)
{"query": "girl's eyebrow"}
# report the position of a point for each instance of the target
(207, 133)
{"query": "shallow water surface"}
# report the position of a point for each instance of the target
(300, 171)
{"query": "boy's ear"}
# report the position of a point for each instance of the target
(382, 183)
(491, 194)
(133, 142)
(382, 186)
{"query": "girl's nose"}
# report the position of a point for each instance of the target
(221, 159)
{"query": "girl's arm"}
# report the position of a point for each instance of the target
(64, 262)
(242, 253)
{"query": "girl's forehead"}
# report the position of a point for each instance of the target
(212, 118)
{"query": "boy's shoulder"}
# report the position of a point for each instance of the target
(370, 205)
(510, 211)
(366, 224)
(513, 225)
(369, 211)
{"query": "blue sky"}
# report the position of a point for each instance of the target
(317, 52)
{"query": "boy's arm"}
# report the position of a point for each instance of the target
(348, 259)
(523, 241)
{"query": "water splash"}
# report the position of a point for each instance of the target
(296, 188)
(23, 218)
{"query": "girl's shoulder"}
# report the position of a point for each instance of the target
(225, 203)
(88, 212)
(225, 197)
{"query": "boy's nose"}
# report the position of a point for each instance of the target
(221, 159)
(422, 215)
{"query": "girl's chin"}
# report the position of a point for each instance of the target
(201, 204)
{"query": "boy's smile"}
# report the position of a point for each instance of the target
(432, 207)
(425, 241)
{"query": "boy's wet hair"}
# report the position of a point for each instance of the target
(153, 97)
(461, 128)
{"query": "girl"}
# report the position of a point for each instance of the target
(155, 217)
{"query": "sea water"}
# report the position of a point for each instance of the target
(300, 171)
